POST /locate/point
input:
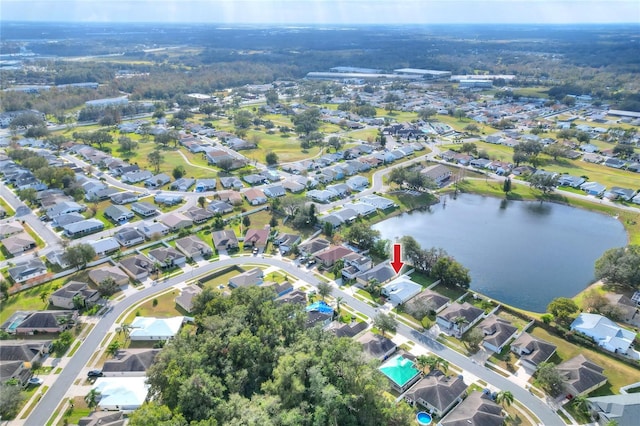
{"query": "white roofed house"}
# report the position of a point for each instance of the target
(358, 183)
(168, 198)
(438, 173)
(606, 333)
(124, 198)
(401, 290)
(118, 214)
(104, 246)
(182, 184)
(146, 328)
(128, 237)
(64, 208)
(144, 209)
(157, 181)
(204, 185)
(121, 393)
(84, 227)
(136, 176)
(152, 230)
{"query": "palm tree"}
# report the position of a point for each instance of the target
(443, 364)
(581, 403)
(113, 348)
(505, 398)
(202, 201)
(126, 329)
(338, 304)
(43, 297)
(422, 361)
(459, 321)
(92, 398)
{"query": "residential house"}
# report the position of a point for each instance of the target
(285, 242)
(32, 268)
(124, 198)
(381, 273)
(377, 201)
(19, 243)
(231, 197)
(314, 246)
(84, 227)
(104, 246)
(204, 185)
(118, 214)
(320, 195)
(136, 176)
(593, 188)
(219, 207)
(476, 409)
(616, 192)
(101, 273)
(154, 329)
(318, 314)
(614, 163)
(627, 308)
(168, 257)
(274, 191)
(354, 264)
(103, 418)
(377, 346)
(437, 392)
(296, 296)
(10, 228)
(255, 196)
(47, 322)
(224, 240)
(73, 295)
(247, 279)
(128, 237)
(438, 173)
(581, 376)
(606, 333)
(66, 219)
(447, 319)
(357, 183)
(401, 372)
(256, 238)
(333, 219)
(168, 199)
(124, 394)
(182, 184)
(400, 290)
(279, 289)
(622, 409)
(130, 362)
(426, 302)
(497, 332)
(137, 266)
(157, 181)
(176, 221)
(361, 209)
(186, 297)
(64, 208)
(532, 350)
(193, 247)
(199, 215)
(144, 209)
(341, 190)
(56, 257)
(231, 182)
(254, 179)
(330, 255)
(572, 181)
(153, 230)
(217, 156)
(18, 356)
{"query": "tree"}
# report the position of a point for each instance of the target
(271, 158)
(550, 379)
(202, 201)
(43, 298)
(581, 404)
(327, 229)
(113, 348)
(92, 398)
(544, 182)
(307, 121)
(337, 267)
(362, 235)
(4, 289)
(469, 148)
(178, 172)
(11, 397)
(619, 266)
(246, 221)
(79, 255)
(291, 205)
(426, 113)
(155, 159)
(506, 186)
(555, 150)
(125, 329)
(335, 143)
(623, 150)
(451, 273)
(153, 414)
(562, 308)
(423, 362)
(271, 97)
(243, 119)
(385, 323)
(473, 338)
(324, 289)
(126, 144)
(108, 286)
(505, 398)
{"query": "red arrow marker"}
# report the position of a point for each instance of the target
(396, 261)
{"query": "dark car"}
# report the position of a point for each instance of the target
(95, 373)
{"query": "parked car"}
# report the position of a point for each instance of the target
(36, 381)
(95, 373)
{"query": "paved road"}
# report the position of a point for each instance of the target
(45, 408)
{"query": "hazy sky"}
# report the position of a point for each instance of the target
(324, 11)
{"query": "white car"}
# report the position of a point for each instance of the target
(36, 381)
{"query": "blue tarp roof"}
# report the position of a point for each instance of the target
(320, 307)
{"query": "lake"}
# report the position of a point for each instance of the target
(519, 252)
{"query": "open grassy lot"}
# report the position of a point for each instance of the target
(618, 373)
(165, 308)
(223, 279)
(6, 207)
(286, 147)
(73, 414)
(27, 300)
(362, 134)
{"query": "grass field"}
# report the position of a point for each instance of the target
(7, 208)
(165, 308)
(619, 374)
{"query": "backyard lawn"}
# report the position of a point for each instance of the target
(619, 374)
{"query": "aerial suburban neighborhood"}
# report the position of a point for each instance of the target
(264, 244)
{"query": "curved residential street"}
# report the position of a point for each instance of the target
(47, 405)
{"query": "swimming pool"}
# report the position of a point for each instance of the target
(16, 320)
(423, 418)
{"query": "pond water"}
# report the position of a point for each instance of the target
(519, 252)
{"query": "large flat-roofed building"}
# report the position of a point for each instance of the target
(471, 84)
(356, 69)
(427, 74)
(315, 75)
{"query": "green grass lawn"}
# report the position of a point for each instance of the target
(618, 373)
(287, 148)
(7, 208)
(165, 308)
(579, 415)
(73, 415)
(421, 278)
(39, 241)
(451, 293)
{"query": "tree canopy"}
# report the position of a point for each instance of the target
(620, 266)
(252, 361)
